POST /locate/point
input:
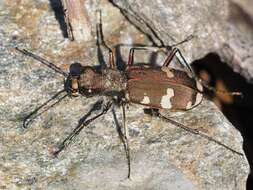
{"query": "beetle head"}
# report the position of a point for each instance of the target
(90, 81)
(71, 82)
(84, 80)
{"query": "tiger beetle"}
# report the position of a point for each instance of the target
(158, 88)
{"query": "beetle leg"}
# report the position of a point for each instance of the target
(82, 123)
(111, 60)
(100, 40)
(183, 62)
(131, 57)
(126, 133)
(125, 140)
(169, 58)
(42, 108)
(177, 53)
(188, 38)
(197, 132)
(175, 50)
(149, 48)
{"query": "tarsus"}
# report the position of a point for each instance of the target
(197, 132)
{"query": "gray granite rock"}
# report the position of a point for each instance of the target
(163, 156)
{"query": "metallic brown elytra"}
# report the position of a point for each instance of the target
(163, 88)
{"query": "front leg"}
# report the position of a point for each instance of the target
(82, 123)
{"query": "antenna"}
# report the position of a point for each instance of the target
(43, 61)
(35, 113)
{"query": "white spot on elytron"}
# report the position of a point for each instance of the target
(145, 100)
(168, 72)
(165, 101)
(199, 98)
(199, 86)
(189, 105)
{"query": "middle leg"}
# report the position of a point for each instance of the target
(125, 140)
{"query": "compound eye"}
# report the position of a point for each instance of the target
(74, 84)
(74, 87)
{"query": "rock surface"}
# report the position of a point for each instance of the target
(163, 156)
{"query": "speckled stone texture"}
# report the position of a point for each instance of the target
(163, 156)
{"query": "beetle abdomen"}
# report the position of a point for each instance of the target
(163, 88)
